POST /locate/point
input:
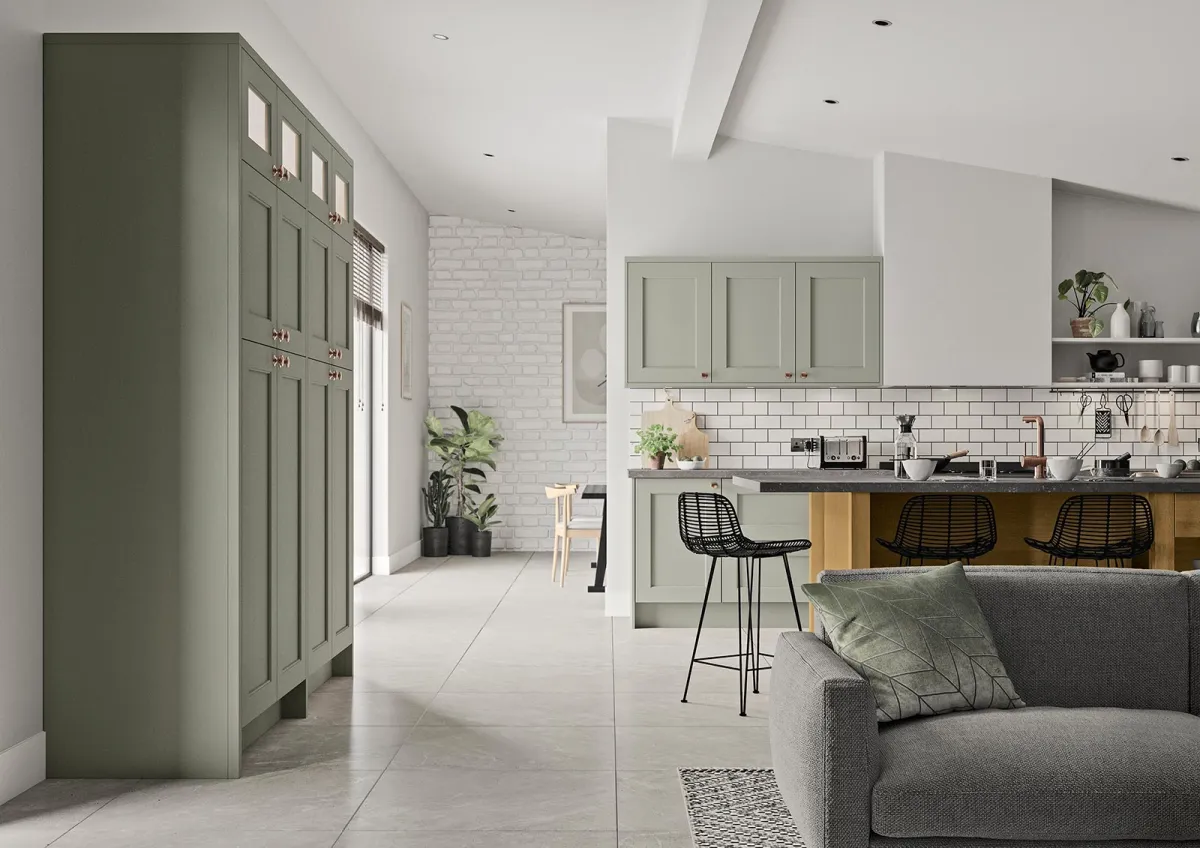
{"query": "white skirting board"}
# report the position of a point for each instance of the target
(396, 561)
(22, 766)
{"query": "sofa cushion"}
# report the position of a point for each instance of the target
(920, 640)
(1041, 773)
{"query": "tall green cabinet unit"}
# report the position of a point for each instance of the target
(197, 473)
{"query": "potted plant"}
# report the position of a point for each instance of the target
(435, 539)
(1088, 294)
(462, 452)
(483, 516)
(658, 443)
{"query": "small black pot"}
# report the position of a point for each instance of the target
(435, 541)
(481, 543)
(461, 531)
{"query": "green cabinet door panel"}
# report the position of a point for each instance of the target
(291, 246)
(754, 322)
(669, 313)
(664, 570)
(320, 176)
(288, 500)
(316, 511)
(259, 118)
(340, 311)
(769, 517)
(257, 243)
(292, 127)
(258, 666)
(838, 308)
(318, 264)
(341, 556)
(342, 199)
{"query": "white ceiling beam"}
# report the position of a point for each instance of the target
(720, 47)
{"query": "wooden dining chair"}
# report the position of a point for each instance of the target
(567, 527)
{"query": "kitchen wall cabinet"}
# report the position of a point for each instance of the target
(192, 532)
(754, 323)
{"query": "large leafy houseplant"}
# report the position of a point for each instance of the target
(463, 451)
(1087, 293)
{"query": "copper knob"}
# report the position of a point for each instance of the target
(333, 353)
(275, 334)
(704, 374)
(787, 373)
(286, 335)
(274, 361)
(332, 375)
(803, 373)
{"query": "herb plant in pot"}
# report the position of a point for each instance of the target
(483, 516)
(435, 539)
(1088, 294)
(658, 443)
(463, 451)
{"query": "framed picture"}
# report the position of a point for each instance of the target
(406, 343)
(585, 361)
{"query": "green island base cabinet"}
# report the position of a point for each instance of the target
(197, 499)
(794, 322)
(669, 580)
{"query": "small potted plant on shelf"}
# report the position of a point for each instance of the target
(657, 443)
(1088, 294)
(483, 516)
(462, 452)
(435, 539)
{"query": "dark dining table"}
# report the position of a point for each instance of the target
(599, 491)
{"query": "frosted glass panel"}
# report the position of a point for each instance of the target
(259, 120)
(291, 149)
(320, 175)
(341, 203)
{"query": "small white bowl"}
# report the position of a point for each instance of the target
(1168, 469)
(919, 469)
(1064, 467)
(689, 464)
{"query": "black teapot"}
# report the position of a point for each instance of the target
(1104, 361)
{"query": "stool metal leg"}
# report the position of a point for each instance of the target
(741, 654)
(787, 570)
(757, 564)
(712, 569)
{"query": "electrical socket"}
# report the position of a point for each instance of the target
(804, 445)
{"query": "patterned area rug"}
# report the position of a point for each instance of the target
(737, 808)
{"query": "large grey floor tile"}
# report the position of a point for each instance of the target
(571, 748)
(479, 839)
(378, 709)
(650, 801)
(654, 840)
(703, 709)
(481, 799)
(483, 676)
(167, 838)
(639, 677)
(542, 709)
(691, 747)
(45, 812)
(396, 678)
(298, 744)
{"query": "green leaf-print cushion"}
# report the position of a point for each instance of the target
(921, 642)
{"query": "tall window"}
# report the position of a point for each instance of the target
(370, 266)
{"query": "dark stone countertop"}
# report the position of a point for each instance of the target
(699, 473)
(885, 481)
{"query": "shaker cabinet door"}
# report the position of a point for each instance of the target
(669, 323)
(320, 176)
(316, 511)
(318, 269)
(340, 314)
(291, 245)
(341, 539)
(342, 198)
(292, 127)
(664, 570)
(258, 263)
(259, 118)
(754, 322)
(288, 502)
(837, 322)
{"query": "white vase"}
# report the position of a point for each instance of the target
(1119, 325)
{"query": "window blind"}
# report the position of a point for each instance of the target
(369, 265)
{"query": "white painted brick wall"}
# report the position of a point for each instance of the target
(751, 428)
(496, 296)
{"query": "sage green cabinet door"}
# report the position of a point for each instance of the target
(342, 198)
(340, 310)
(259, 668)
(290, 288)
(754, 322)
(259, 118)
(289, 446)
(766, 518)
(293, 149)
(670, 322)
(837, 322)
(320, 176)
(316, 510)
(664, 570)
(341, 540)
(318, 267)
(257, 245)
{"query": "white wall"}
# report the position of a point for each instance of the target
(746, 200)
(966, 270)
(383, 203)
(1152, 251)
(496, 295)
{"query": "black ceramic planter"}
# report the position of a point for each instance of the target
(435, 541)
(481, 543)
(461, 531)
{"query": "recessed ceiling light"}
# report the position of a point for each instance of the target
(490, 155)
(1179, 159)
(441, 37)
(882, 22)
(832, 102)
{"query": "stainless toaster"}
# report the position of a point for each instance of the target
(844, 452)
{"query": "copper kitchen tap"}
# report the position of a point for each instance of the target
(1038, 462)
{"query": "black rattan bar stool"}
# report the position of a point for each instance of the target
(1102, 528)
(708, 525)
(943, 527)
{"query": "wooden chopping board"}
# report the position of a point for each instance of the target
(692, 440)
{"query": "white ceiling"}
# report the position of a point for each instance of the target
(1096, 92)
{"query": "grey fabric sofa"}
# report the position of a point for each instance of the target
(1106, 754)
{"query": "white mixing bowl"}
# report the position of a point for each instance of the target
(919, 469)
(1064, 467)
